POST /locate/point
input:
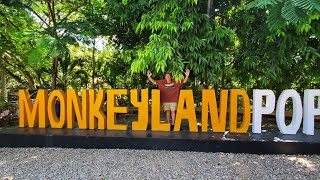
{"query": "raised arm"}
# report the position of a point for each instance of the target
(187, 73)
(149, 74)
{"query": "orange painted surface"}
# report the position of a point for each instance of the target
(112, 110)
(188, 113)
(234, 108)
(56, 122)
(96, 101)
(33, 115)
(156, 125)
(209, 104)
(76, 108)
(143, 109)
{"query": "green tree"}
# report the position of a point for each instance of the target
(184, 36)
(13, 49)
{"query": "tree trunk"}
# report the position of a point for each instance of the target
(38, 74)
(209, 8)
(19, 67)
(223, 78)
(93, 64)
(17, 78)
(54, 73)
(65, 81)
(52, 15)
(4, 86)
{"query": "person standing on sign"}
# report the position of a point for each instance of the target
(169, 93)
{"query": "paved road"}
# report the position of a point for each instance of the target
(56, 163)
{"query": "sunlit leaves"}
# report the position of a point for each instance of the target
(46, 48)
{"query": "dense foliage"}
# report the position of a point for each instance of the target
(111, 44)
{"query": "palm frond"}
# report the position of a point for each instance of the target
(292, 13)
(307, 4)
(262, 4)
